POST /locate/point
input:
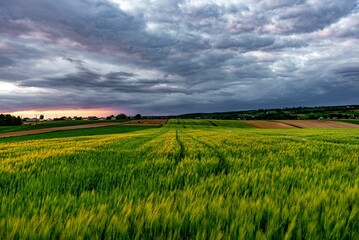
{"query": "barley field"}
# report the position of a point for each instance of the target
(189, 179)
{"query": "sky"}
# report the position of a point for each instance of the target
(160, 57)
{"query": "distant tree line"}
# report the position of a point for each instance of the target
(123, 116)
(120, 116)
(326, 112)
(8, 120)
(64, 118)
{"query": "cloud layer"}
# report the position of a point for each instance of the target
(178, 56)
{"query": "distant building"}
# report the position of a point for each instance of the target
(30, 119)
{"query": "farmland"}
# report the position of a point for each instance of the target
(76, 126)
(43, 125)
(319, 124)
(188, 179)
(268, 124)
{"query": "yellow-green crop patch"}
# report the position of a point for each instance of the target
(175, 183)
(200, 123)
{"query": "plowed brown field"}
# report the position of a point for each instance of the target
(266, 124)
(318, 124)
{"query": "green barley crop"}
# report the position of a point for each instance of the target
(176, 182)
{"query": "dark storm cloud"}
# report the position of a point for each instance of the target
(178, 56)
(349, 72)
(88, 80)
(89, 23)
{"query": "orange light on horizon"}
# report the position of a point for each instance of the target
(98, 112)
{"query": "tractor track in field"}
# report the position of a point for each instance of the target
(181, 153)
(222, 166)
(213, 124)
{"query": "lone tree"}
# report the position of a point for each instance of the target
(138, 116)
(42, 117)
(121, 116)
(110, 117)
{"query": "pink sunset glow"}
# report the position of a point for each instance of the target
(99, 112)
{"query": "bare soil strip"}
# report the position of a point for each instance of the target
(318, 124)
(266, 124)
(93, 125)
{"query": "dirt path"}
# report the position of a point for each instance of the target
(55, 129)
(265, 124)
(318, 124)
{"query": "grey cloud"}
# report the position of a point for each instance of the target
(246, 42)
(85, 80)
(121, 75)
(308, 18)
(5, 61)
(75, 61)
